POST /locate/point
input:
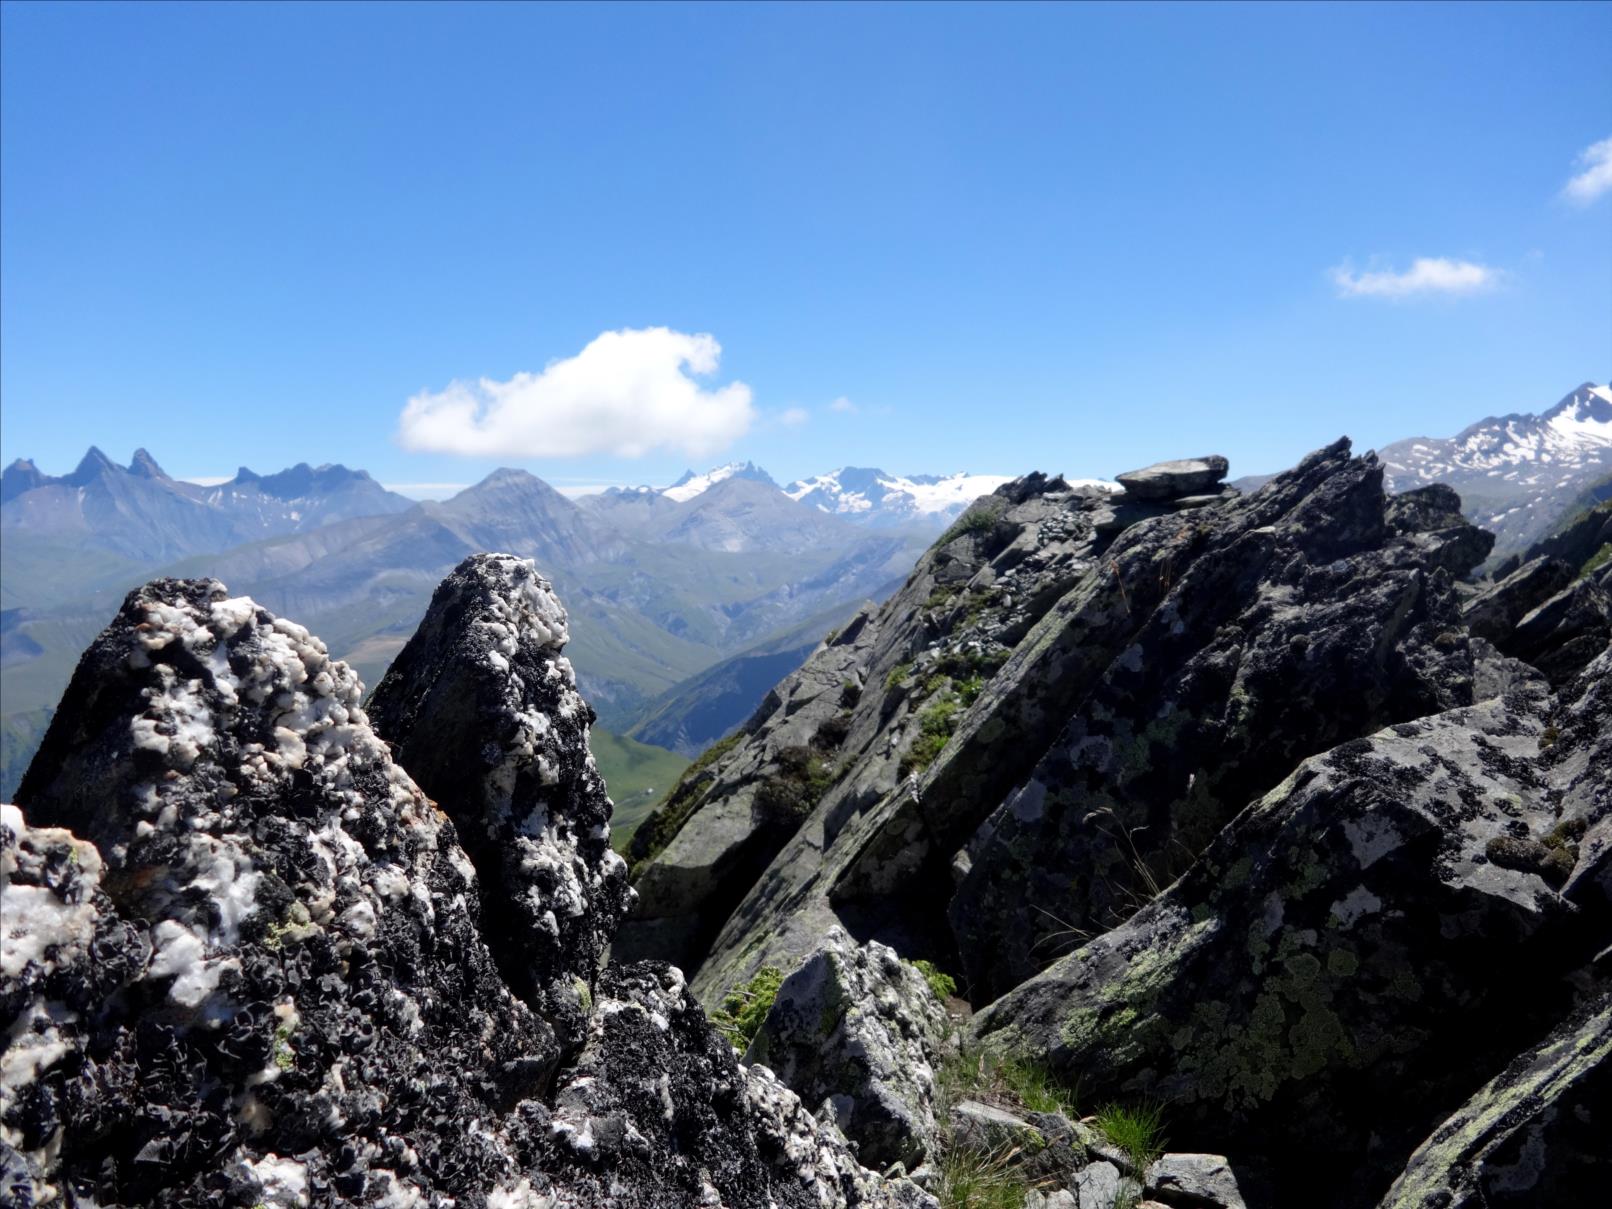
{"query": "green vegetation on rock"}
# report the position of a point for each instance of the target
(653, 833)
(943, 985)
(744, 1009)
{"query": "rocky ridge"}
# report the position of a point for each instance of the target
(1118, 762)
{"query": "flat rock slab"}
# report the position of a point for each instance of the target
(1168, 480)
(1195, 1179)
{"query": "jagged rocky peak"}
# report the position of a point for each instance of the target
(482, 709)
(292, 933)
(259, 969)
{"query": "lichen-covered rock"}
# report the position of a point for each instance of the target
(1322, 983)
(658, 1111)
(857, 1026)
(268, 982)
(319, 1011)
(481, 708)
(1167, 480)
(62, 951)
(1536, 1134)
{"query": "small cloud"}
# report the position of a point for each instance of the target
(844, 405)
(793, 417)
(1427, 275)
(626, 393)
(206, 480)
(1595, 177)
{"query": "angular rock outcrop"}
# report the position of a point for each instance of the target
(481, 708)
(1273, 642)
(268, 980)
(1325, 978)
(859, 1028)
(1536, 1134)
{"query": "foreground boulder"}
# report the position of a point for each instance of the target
(1322, 983)
(257, 970)
(1536, 1134)
(861, 1029)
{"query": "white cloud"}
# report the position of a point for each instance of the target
(1427, 275)
(626, 393)
(793, 417)
(1596, 177)
(206, 480)
(842, 404)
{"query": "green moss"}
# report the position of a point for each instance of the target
(744, 1009)
(284, 1056)
(943, 985)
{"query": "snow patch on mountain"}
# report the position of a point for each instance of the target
(691, 484)
(1516, 472)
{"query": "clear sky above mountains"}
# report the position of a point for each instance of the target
(923, 238)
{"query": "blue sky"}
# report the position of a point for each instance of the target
(1077, 238)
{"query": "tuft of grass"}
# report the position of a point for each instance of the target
(973, 1179)
(744, 1009)
(935, 726)
(973, 523)
(898, 676)
(943, 985)
(1009, 1084)
(1138, 1131)
(969, 690)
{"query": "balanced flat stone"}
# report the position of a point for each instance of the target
(1167, 480)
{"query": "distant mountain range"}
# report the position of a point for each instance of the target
(1516, 474)
(140, 511)
(688, 601)
(866, 496)
(660, 589)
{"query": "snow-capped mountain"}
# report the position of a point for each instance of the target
(1515, 473)
(875, 498)
(869, 497)
(691, 484)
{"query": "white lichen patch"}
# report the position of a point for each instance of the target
(245, 701)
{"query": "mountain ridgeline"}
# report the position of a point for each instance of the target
(1250, 811)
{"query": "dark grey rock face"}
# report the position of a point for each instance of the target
(1536, 1134)
(481, 709)
(271, 978)
(1272, 643)
(1392, 916)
